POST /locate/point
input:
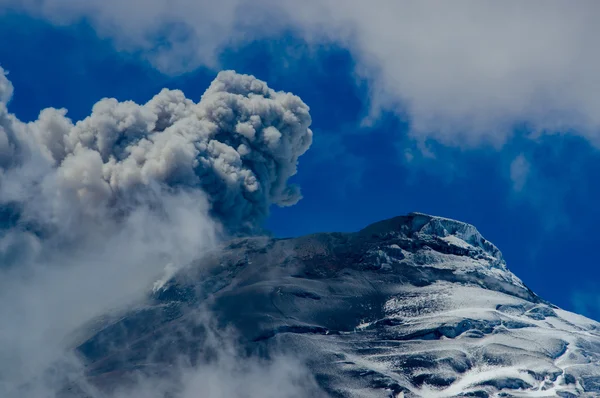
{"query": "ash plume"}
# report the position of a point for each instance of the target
(94, 213)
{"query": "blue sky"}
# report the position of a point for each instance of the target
(355, 173)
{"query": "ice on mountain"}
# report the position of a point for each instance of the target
(414, 306)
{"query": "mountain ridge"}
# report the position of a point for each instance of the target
(413, 306)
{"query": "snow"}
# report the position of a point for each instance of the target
(456, 241)
(416, 306)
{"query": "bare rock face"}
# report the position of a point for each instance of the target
(414, 306)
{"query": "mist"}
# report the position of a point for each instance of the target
(98, 213)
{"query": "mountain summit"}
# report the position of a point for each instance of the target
(413, 306)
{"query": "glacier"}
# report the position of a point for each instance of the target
(413, 306)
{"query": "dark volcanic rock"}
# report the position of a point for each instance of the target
(412, 306)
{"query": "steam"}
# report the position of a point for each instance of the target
(96, 213)
(239, 145)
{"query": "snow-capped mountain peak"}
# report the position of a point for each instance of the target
(413, 306)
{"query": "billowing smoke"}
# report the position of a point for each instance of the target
(94, 213)
(239, 145)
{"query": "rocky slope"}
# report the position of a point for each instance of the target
(414, 306)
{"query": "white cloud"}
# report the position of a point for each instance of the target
(466, 72)
(6, 88)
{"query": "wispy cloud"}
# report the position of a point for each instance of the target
(95, 212)
(519, 172)
(586, 302)
(464, 73)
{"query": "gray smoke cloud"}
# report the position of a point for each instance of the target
(239, 145)
(95, 213)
